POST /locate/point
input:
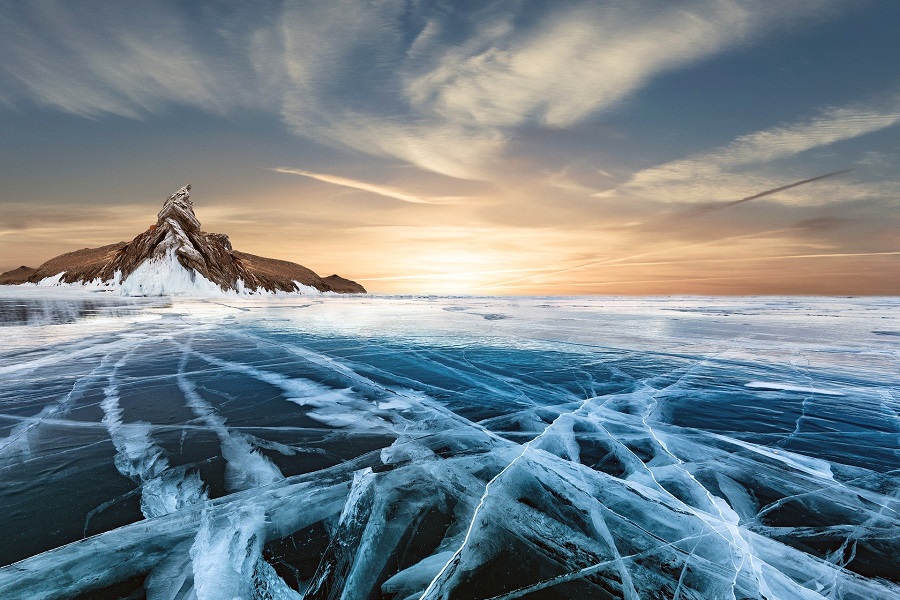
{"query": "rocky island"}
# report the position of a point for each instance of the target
(174, 256)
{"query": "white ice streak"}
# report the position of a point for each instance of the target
(432, 586)
(49, 359)
(790, 387)
(19, 441)
(815, 467)
(245, 467)
(331, 407)
(138, 457)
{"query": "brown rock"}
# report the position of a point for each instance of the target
(16, 276)
(343, 286)
(272, 273)
(86, 264)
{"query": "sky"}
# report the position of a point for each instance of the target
(514, 147)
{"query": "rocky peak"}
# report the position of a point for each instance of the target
(177, 236)
(178, 212)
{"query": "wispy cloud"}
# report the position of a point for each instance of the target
(573, 62)
(737, 170)
(381, 190)
(461, 100)
(441, 89)
(830, 126)
(118, 60)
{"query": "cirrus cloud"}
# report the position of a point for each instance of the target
(736, 170)
(440, 88)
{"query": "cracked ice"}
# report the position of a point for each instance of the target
(412, 449)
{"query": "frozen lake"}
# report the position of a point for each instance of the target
(438, 448)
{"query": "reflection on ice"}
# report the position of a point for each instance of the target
(33, 306)
(467, 448)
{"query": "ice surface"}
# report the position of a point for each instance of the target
(414, 448)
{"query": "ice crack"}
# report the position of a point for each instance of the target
(487, 488)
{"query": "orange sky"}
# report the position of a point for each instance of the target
(460, 248)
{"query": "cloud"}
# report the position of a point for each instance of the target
(737, 170)
(342, 63)
(430, 85)
(111, 59)
(440, 148)
(572, 63)
(380, 190)
(832, 125)
(450, 102)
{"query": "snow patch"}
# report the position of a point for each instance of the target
(92, 285)
(167, 277)
(303, 290)
(52, 280)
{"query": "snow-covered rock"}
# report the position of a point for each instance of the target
(175, 256)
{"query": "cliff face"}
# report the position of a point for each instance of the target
(175, 253)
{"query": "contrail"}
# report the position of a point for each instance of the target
(770, 192)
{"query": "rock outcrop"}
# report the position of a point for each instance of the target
(87, 264)
(342, 285)
(176, 249)
(19, 275)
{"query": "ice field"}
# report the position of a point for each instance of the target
(448, 448)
